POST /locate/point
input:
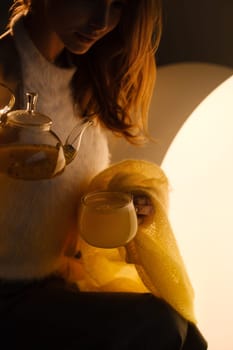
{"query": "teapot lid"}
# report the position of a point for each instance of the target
(29, 117)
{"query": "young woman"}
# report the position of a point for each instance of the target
(85, 59)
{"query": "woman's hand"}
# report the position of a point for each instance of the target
(143, 206)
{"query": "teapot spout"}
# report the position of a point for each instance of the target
(74, 139)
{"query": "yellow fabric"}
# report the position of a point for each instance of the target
(151, 261)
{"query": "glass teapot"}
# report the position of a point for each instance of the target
(29, 149)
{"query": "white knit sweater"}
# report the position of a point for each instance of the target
(36, 217)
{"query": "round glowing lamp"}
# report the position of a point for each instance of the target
(199, 165)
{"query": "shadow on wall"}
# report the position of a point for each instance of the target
(180, 88)
(197, 30)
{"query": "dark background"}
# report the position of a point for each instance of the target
(197, 30)
(193, 30)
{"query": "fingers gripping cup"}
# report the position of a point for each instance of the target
(107, 219)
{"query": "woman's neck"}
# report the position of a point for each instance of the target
(43, 37)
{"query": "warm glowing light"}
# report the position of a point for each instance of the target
(199, 165)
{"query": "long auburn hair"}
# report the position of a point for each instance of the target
(115, 78)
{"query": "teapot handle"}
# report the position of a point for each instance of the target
(6, 94)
